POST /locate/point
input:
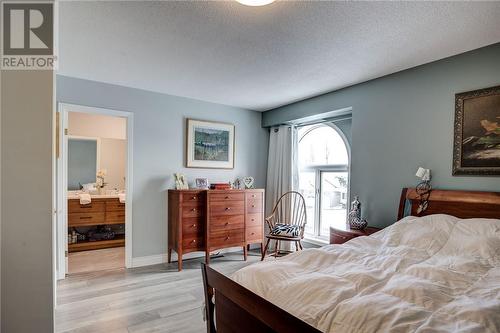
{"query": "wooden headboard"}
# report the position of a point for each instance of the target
(462, 204)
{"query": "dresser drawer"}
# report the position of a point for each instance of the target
(227, 196)
(228, 222)
(254, 220)
(82, 219)
(114, 205)
(192, 243)
(254, 205)
(218, 208)
(115, 217)
(192, 226)
(254, 196)
(229, 238)
(95, 206)
(253, 233)
(192, 197)
(192, 210)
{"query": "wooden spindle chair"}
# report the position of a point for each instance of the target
(290, 210)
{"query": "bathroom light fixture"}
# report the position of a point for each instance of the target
(255, 3)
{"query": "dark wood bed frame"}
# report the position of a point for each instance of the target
(238, 309)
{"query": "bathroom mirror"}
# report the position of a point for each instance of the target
(83, 161)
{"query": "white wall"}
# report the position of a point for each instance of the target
(27, 288)
(114, 160)
(95, 125)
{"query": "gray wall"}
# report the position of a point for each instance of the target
(26, 194)
(403, 121)
(159, 136)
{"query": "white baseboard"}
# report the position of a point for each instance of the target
(162, 258)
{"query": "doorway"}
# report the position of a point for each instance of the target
(94, 189)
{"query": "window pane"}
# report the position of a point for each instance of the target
(333, 201)
(321, 145)
(307, 186)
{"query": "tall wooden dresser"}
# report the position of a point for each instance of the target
(209, 220)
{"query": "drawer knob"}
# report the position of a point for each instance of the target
(193, 198)
(194, 209)
(253, 195)
(253, 206)
(228, 208)
(227, 223)
(194, 225)
(85, 217)
(227, 197)
(253, 220)
(193, 241)
(227, 238)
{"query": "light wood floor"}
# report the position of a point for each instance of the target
(96, 260)
(149, 299)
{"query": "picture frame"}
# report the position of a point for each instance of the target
(201, 183)
(209, 144)
(476, 141)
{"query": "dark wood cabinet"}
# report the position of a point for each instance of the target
(99, 211)
(340, 236)
(209, 220)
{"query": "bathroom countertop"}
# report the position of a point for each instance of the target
(93, 196)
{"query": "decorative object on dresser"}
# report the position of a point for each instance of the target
(209, 144)
(423, 189)
(340, 236)
(101, 211)
(476, 148)
(248, 182)
(201, 183)
(220, 186)
(180, 182)
(209, 220)
(354, 217)
(287, 221)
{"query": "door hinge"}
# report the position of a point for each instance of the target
(65, 131)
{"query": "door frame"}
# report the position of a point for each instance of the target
(62, 182)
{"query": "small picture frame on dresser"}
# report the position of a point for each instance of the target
(201, 183)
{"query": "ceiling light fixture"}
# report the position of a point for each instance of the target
(255, 3)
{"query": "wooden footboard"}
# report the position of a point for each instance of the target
(237, 309)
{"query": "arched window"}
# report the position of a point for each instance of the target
(323, 166)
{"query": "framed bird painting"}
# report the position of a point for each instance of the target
(476, 148)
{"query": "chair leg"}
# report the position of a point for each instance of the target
(276, 248)
(296, 246)
(301, 245)
(169, 255)
(265, 249)
(245, 253)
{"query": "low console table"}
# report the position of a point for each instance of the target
(208, 220)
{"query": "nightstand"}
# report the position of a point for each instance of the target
(340, 236)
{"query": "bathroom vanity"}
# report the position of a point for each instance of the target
(103, 210)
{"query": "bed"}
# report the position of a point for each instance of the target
(435, 273)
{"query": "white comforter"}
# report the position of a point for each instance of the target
(432, 274)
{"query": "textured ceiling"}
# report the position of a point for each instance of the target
(263, 57)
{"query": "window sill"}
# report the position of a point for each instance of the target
(316, 241)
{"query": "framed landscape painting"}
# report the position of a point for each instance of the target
(476, 148)
(209, 144)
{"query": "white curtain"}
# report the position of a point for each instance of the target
(282, 165)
